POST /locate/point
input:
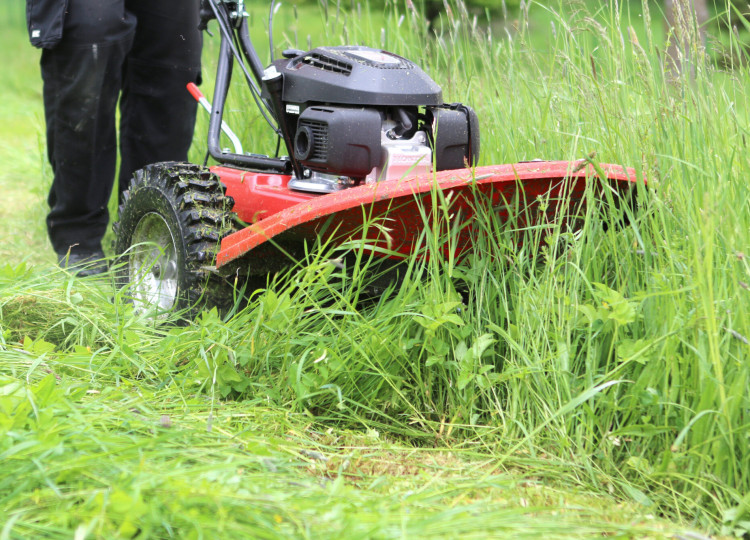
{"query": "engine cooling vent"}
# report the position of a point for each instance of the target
(344, 141)
(319, 140)
(328, 63)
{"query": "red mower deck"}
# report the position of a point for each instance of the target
(276, 212)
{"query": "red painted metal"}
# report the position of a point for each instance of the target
(258, 196)
(282, 215)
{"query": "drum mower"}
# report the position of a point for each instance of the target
(366, 135)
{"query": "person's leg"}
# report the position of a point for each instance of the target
(82, 79)
(157, 113)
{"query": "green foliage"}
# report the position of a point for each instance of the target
(611, 359)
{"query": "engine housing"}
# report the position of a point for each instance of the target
(359, 76)
(356, 112)
(338, 140)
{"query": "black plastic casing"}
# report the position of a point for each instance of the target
(455, 136)
(355, 75)
(339, 140)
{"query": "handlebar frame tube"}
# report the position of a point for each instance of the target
(224, 66)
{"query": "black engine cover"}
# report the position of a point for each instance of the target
(353, 75)
(454, 132)
(338, 140)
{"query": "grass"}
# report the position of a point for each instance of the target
(597, 385)
(22, 152)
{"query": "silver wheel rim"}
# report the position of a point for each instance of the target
(153, 265)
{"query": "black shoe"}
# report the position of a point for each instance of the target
(84, 264)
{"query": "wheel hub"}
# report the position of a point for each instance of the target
(153, 264)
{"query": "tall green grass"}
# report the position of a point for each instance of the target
(614, 359)
(630, 351)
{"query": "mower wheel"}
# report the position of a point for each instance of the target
(172, 219)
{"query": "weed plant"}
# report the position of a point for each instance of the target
(613, 358)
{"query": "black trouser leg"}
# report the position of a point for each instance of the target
(157, 113)
(81, 85)
(149, 49)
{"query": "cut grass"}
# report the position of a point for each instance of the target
(115, 460)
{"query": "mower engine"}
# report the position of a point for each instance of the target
(355, 114)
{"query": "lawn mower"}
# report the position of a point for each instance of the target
(366, 134)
